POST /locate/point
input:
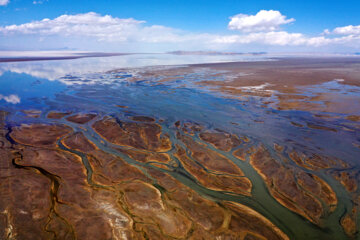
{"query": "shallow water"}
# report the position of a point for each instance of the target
(86, 85)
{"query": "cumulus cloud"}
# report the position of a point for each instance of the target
(14, 99)
(4, 2)
(88, 24)
(263, 21)
(326, 32)
(347, 30)
(93, 25)
(347, 35)
(261, 29)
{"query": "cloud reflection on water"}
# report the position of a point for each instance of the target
(12, 98)
(61, 69)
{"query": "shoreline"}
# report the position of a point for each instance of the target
(49, 58)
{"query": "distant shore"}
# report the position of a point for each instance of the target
(62, 57)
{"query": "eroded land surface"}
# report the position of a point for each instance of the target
(262, 150)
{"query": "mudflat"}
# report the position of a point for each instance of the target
(242, 150)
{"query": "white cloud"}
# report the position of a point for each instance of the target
(347, 30)
(263, 21)
(87, 31)
(39, 1)
(4, 2)
(93, 25)
(326, 32)
(14, 99)
(280, 38)
(88, 24)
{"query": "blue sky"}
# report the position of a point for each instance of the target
(189, 21)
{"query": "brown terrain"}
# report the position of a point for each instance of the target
(286, 79)
(117, 200)
(295, 189)
(57, 115)
(118, 178)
